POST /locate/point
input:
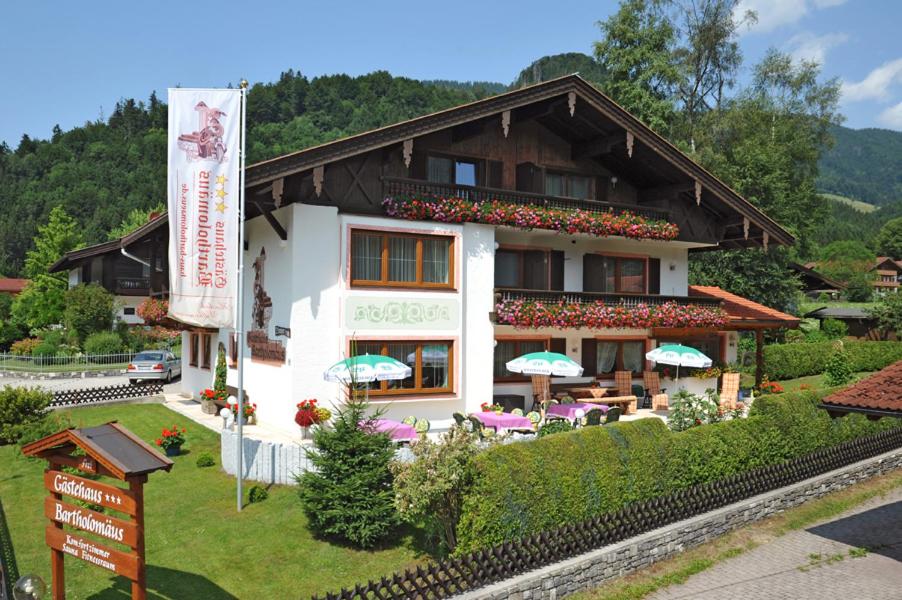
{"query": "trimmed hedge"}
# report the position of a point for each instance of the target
(788, 361)
(566, 478)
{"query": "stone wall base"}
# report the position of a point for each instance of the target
(266, 462)
(593, 569)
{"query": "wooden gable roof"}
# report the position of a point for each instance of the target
(122, 453)
(608, 123)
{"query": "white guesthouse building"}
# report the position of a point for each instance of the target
(373, 240)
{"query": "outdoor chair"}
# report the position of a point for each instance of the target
(593, 417)
(535, 418)
(625, 398)
(729, 391)
(654, 393)
(613, 415)
(410, 420)
(422, 426)
(541, 390)
(518, 412)
(481, 430)
(459, 418)
(568, 400)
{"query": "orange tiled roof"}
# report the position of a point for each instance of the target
(743, 311)
(880, 391)
(12, 286)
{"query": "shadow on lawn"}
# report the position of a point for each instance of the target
(167, 584)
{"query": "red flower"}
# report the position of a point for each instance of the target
(159, 442)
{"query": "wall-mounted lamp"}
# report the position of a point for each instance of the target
(497, 245)
(672, 266)
(613, 182)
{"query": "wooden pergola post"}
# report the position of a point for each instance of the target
(759, 357)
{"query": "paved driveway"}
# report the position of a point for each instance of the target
(78, 383)
(822, 562)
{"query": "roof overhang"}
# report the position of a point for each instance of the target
(71, 259)
(841, 410)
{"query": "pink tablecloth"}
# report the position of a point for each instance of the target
(395, 429)
(503, 420)
(568, 411)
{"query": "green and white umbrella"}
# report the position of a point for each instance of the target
(367, 368)
(545, 363)
(679, 356)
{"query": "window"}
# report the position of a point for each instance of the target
(442, 169)
(529, 269)
(194, 346)
(603, 357)
(233, 350)
(431, 364)
(206, 350)
(507, 350)
(128, 311)
(567, 185)
(614, 274)
(400, 260)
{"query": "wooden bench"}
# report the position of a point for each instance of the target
(232, 392)
(627, 404)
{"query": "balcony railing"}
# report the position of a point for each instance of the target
(132, 284)
(392, 186)
(608, 299)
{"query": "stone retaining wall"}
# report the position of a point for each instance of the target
(598, 567)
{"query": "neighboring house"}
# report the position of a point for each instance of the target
(858, 322)
(814, 284)
(133, 268)
(329, 266)
(888, 273)
(11, 286)
(878, 395)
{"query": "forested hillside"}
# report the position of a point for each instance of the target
(864, 164)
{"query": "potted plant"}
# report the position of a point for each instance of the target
(308, 414)
(171, 440)
(209, 398)
(250, 412)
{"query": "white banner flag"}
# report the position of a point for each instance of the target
(204, 162)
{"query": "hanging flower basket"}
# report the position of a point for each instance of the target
(529, 216)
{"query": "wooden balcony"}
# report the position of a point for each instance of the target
(393, 186)
(625, 300)
(132, 286)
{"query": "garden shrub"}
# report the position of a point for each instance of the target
(834, 329)
(689, 410)
(89, 309)
(205, 460)
(103, 342)
(24, 347)
(838, 371)
(526, 488)
(789, 361)
(556, 426)
(257, 494)
(49, 344)
(52, 422)
(348, 492)
(20, 409)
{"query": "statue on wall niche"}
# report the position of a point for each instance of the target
(262, 312)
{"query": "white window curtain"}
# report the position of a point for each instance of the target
(366, 257)
(607, 357)
(435, 260)
(633, 359)
(439, 170)
(402, 259)
(434, 370)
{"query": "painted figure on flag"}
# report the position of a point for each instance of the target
(205, 143)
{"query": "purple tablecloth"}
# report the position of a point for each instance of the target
(395, 429)
(568, 411)
(503, 421)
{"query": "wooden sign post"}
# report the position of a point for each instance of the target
(111, 451)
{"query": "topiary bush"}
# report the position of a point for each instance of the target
(838, 372)
(103, 342)
(556, 426)
(257, 494)
(205, 460)
(526, 488)
(20, 409)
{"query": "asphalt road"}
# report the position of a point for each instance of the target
(78, 383)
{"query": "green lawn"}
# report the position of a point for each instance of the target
(814, 381)
(198, 546)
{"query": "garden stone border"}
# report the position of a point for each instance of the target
(593, 569)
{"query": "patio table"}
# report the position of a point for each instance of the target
(568, 411)
(588, 392)
(401, 432)
(503, 420)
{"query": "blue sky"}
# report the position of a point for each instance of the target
(68, 62)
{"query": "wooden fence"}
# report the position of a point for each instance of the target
(105, 394)
(9, 572)
(451, 576)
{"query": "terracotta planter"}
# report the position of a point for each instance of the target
(208, 407)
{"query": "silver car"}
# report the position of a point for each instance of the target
(154, 364)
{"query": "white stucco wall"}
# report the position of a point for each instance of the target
(123, 302)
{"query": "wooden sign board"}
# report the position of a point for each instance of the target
(90, 491)
(124, 532)
(120, 563)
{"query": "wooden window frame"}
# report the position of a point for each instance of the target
(517, 377)
(193, 349)
(206, 340)
(233, 351)
(619, 257)
(419, 283)
(480, 162)
(417, 390)
(618, 363)
(521, 266)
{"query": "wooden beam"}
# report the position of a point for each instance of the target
(665, 192)
(271, 219)
(596, 146)
(467, 130)
(759, 357)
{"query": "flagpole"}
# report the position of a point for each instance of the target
(239, 303)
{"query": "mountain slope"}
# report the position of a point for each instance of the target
(865, 164)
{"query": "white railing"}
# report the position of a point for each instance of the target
(61, 364)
